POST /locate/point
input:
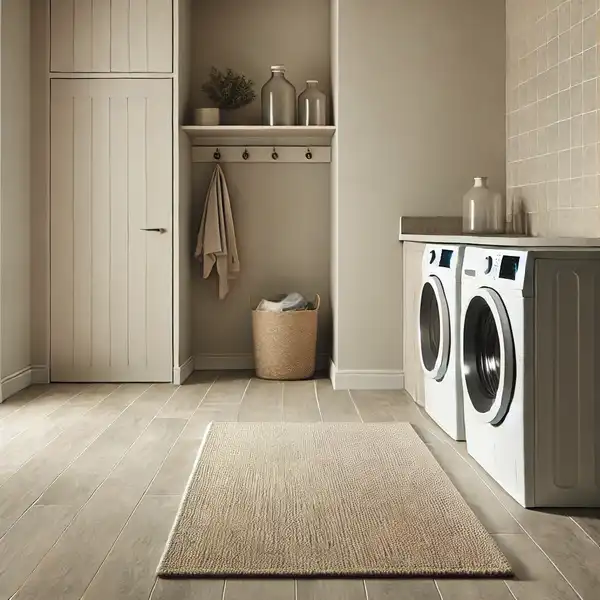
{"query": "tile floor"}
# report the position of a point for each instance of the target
(91, 476)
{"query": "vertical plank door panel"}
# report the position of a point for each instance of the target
(137, 193)
(82, 230)
(119, 36)
(61, 231)
(82, 35)
(119, 230)
(111, 281)
(100, 36)
(160, 35)
(138, 36)
(62, 14)
(159, 213)
(100, 242)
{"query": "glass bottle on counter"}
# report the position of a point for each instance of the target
(484, 211)
(278, 97)
(312, 105)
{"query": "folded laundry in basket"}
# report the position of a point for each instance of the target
(293, 301)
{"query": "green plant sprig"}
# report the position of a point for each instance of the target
(229, 90)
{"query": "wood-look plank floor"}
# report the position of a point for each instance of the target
(91, 478)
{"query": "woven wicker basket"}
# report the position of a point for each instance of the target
(285, 343)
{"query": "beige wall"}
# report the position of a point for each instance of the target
(183, 338)
(250, 36)
(40, 242)
(282, 226)
(15, 187)
(552, 104)
(420, 111)
(281, 211)
(333, 195)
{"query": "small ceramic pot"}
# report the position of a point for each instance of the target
(207, 117)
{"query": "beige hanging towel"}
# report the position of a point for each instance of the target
(216, 243)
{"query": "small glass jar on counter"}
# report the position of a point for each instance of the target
(484, 211)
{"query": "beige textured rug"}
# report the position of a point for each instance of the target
(300, 499)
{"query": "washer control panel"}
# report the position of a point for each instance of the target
(447, 258)
(489, 264)
(509, 267)
(498, 265)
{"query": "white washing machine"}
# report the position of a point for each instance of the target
(530, 324)
(438, 329)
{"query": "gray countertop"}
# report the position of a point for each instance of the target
(502, 240)
(443, 230)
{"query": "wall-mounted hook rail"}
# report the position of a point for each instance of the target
(262, 154)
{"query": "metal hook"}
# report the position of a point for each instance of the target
(308, 154)
(246, 155)
(274, 155)
(217, 154)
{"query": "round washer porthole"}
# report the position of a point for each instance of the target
(434, 329)
(488, 356)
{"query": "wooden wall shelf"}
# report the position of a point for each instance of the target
(259, 135)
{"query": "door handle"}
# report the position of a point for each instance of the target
(155, 229)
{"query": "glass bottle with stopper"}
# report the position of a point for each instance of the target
(312, 105)
(278, 98)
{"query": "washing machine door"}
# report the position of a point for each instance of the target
(488, 356)
(434, 329)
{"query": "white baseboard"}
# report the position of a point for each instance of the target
(239, 362)
(40, 374)
(365, 380)
(22, 379)
(180, 374)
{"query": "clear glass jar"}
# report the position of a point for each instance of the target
(484, 211)
(278, 98)
(312, 105)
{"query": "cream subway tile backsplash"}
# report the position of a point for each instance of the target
(576, 162)
(590, 166)
(589, 191)
(564, 104)
(590, 128)
(564, 74)
(590, 98)
(576, 12)
(589, 33)
(590, 7)
(553, 128)
(564, 17)
(576, 129)
(576, 34)
(551, 25)
(576, 69)
(576, 93)
(564, 164)
(590, 64)
(564, 135)
(564, 193)
(576, 191)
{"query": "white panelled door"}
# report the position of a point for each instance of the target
(111, 185)
(103, 36)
